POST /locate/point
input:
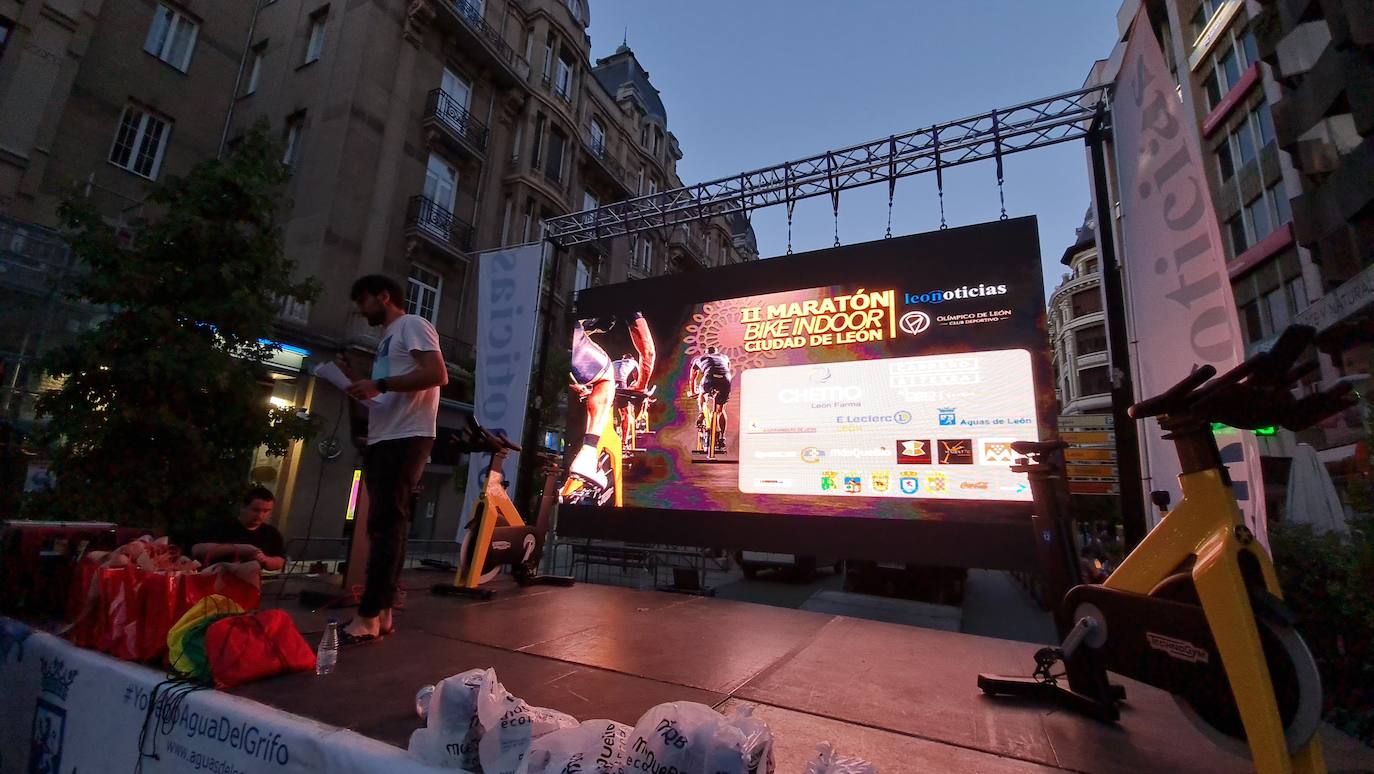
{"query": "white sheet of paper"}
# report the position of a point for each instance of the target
(334, 375)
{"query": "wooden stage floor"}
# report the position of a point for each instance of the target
(902, 697)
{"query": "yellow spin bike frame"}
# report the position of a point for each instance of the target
(1208, 525)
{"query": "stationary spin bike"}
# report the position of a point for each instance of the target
(497, 535)
(1196, 608)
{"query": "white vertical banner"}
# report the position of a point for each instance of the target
(1177, 288)
(507, 316)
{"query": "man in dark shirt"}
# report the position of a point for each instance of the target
(247, 537)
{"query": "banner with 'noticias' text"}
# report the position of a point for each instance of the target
(507, 314)
(1177, 288)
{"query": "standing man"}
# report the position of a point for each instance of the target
(406, 377)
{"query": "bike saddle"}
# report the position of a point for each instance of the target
(482, 439)
(1038, 447)
(627, 394)
(1256, 393)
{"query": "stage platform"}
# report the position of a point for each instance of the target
(902, 697)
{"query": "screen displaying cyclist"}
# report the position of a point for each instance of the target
(595, 378)
(711, 373)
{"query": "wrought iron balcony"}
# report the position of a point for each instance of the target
(449, 115)
(685, 241)
(554, 174)
(429, 220)
(612, 168)
(466, 17)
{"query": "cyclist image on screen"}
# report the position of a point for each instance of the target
(710, 378)
(595, 377)
(626, 374)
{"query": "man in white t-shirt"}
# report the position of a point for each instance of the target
(406, 377)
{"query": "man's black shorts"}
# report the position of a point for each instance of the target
(720, 385)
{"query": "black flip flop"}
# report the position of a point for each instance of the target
(347, 640)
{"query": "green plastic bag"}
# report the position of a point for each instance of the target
(195, 662)
(212, 607)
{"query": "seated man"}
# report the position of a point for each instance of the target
(248, 537)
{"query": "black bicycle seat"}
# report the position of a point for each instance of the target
(1038, 447)
(627, 394)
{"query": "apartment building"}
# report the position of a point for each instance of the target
(101, 99)
(425, 132)
(1078, 329)
(1230, 90)
(1322, 54)
(418, 133)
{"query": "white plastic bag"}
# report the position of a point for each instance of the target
(827, 762)
(452, 731)
(594, 747)
(682, 736)
(509, 727)
(758, 739)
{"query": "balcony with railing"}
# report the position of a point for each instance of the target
(606, 164)
(451, 119)
(432, 222)
(464, 19)
(687, 244)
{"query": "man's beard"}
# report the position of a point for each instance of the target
(376, 318)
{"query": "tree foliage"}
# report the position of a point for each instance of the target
(161, 406)
(1328, 580)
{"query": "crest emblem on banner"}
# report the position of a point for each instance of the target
(50, 718)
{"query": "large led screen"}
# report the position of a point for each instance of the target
(775, 403)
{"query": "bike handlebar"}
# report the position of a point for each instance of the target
(1038, 447)
(1256, 393)
(1174, 396)
(485, 440)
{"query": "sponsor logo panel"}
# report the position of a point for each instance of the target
(913, 452)
(954, 451)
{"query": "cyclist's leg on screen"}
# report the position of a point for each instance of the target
(591, 368)
(599, 406)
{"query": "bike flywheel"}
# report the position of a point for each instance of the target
(1211, 707)
(465, 551)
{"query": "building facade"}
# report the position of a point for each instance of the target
(1322, 54)
(1229, 93)
(1078, 329)
(99, 99)
(418, 134)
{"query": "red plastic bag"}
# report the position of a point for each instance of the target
(82, 604)
(117, 632)
(158, 604)
(241, 582)
(244, 648)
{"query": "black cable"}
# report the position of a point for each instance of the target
(178, 689)
(315, 506)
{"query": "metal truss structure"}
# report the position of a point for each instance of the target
(993, 135)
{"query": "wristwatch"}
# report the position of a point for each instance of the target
(381, 384)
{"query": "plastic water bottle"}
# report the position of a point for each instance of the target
(423, 700)
(327, 655)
